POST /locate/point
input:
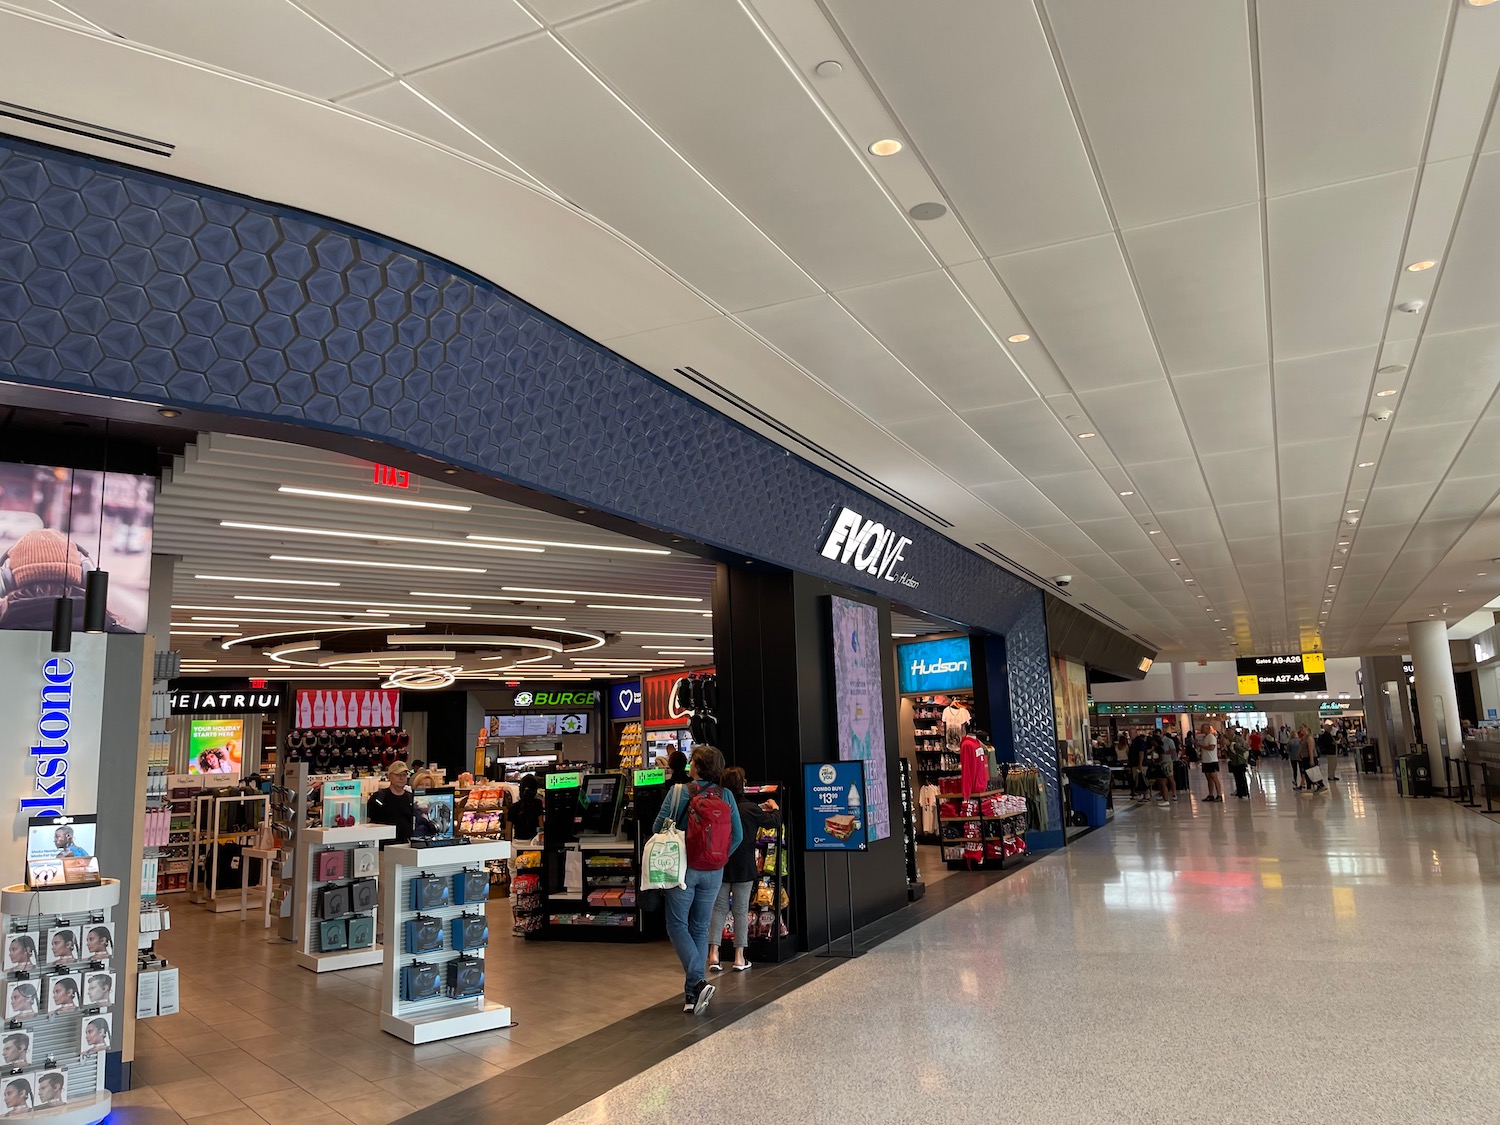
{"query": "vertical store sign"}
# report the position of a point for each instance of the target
(625, 701)
(859, 699)
(54, 704)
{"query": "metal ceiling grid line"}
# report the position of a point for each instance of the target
(1130, 269)
(1421, 336)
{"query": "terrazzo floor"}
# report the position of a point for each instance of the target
(1291, 958)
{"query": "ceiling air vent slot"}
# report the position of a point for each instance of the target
(811, 446)
(75, 128)
(1046, 583)
(1108, 620)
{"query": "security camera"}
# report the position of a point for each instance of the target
(1063, 580)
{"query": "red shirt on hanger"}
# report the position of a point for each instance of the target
(974, 766)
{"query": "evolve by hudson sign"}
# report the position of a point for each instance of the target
(867, 545)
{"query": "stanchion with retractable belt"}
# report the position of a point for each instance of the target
(1484, 777)
(1468, 769)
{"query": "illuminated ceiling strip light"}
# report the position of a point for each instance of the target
(364, 498)
(296, 621)
(476, 639)
(490, 616)
(381, 565)
(570, 546)
(281, 651)
(599, 594)
(340, 628)
(629, 633)
(383, 537)
(596, 639)
(239, 610)
(192, 633)
(265, 581)
(674, 648)
(489, 597)
(649, 608)
(342, 601)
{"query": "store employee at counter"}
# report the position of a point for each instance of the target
(395, 804)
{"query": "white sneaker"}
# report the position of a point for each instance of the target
(1164, 804)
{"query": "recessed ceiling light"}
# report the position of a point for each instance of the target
(169, 413)
(1351, 511)
(1384, 394)
(1156, 532)
(1425, 264)
(450, 471)
(1174, 560)
(887, 147)
(1330, 585)
(1481, 574)
(1367, 464)
(270, 581)
(1088, 434)
(1338, 566)
(1189, 581)
(1019, 338)
(600, 594)
(380, 565)
(1460, 591)
(380, 536)
(1127, 492)
(574, 546)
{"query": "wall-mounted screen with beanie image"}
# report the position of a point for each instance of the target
(56, 525)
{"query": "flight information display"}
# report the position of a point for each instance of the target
(1276, 675)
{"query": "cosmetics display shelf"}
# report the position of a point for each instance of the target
(440, 1015)
(307, 923)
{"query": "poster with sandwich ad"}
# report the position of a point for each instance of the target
(834, 806)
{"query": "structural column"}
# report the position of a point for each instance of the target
(1437, 697)
(1179, 680)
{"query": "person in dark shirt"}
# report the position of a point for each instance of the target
(739, 873)
(677, 769)
(526, 813)
(395, 805)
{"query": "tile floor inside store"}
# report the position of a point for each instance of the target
(260, 1039)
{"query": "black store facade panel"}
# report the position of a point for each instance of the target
(253, 318)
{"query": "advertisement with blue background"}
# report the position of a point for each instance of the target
(625, 701)
(834, 806)
(928, 666)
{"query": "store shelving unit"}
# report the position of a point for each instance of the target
(771, 937)
(59, 1036)
(442, 1016)
(219, 820)
(594, 912)
(310, 841)
(630, 748)
(528, 901)
(977, 830)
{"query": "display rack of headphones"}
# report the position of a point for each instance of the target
(434, 901)
(224, 824)
(292, 801)
(348, 940)
(67, 1015)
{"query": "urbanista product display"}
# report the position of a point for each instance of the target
(337, 893)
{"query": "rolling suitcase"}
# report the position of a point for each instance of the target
(1180, 774)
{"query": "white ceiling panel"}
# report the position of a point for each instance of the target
(1187, 526)
(929, 326)
(955, 449)
(1204, 288)
(1233, 406)
(649, 194)
(1453, 379)
(1323, 396)
(821, 336)
(267, 39)
(1066, 539)
(1313, 468)
(1346, 87)
(1471, 273)
(1309, 513)
(1081, 496)
(406, 36)
(1163, 155)
(1468, 84)
(556, 11)
(1421, 453)
(1021, 502)
(1394, 505)
(1258, 518)
(745, 124)
(395, 104)
(1029, 436)
(1019, 179)
(1238, 478)
(1140, 422)
(1481, 454)
(1080, 298)
(1333, 253)
(1116, 534)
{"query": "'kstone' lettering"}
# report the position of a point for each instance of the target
(51, 747)
(867, 545)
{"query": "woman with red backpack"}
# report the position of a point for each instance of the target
(710, 822)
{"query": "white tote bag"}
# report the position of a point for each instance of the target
(664, 860)
(1314, 774)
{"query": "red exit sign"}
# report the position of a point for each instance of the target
(392, 477)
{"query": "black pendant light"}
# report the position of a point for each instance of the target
(95, 600)
(96, 584)
(62, 625)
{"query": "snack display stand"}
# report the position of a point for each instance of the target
(57, 1039)
(308, 918)
(440, 1015)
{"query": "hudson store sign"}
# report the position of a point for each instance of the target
(867, 545)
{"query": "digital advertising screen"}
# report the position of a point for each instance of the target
(60, 851)
(216, 746)
(56, 525)
(860, 703)
(934, 666)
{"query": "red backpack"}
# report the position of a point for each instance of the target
(709, 828)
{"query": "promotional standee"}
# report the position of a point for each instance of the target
(834, 820)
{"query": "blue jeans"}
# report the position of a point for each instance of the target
(688, 912)
(741, 893)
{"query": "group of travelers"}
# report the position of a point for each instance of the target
(1157, 761)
